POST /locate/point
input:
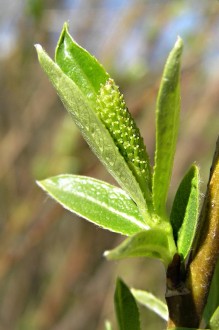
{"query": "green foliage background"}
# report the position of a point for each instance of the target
(53, 275)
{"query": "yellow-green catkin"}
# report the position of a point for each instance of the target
(112, 110)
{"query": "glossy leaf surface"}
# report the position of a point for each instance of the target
(151, 302)
(167, 122)
(184, 213)
(152, 243)
(103, 204)
(80, 66)
(126, 307)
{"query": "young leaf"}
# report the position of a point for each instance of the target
(80, 66)
(167, 122)
(151, 302)
(103, 204)
(184, 213)
(152, 243)
(126, 307)
(82, 106)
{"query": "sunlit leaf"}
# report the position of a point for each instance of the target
(103, 204)
(80, 66)
(184, 213)
(126, 308)
(151, 302)
(167, 122)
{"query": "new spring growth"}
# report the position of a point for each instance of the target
(113, 112)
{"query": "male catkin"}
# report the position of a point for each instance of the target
(113, 112)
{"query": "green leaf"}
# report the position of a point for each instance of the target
(167, 122)
(214, 321)
(184, 213)
(80, 66)
(213, 297)
(152, 243)
(151, 302)
(126, 307)
(103, 204)
(83, 110)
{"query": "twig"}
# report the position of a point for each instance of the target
(186, 297)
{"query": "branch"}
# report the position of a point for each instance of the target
(186, 296)
(206, 246)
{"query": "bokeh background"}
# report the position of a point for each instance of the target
(52, 272)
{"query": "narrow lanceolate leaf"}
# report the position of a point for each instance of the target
(126, 308)
(184, 213)
(167, 122)
(151, 302)
(152, 243)
(105, 205)
(74, 79)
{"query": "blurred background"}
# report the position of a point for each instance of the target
(52, 272)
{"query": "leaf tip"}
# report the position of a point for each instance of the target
(179, 45)
(179, 41)
(41, 184)
(39, 48)
(106, 254)
(65, 26)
